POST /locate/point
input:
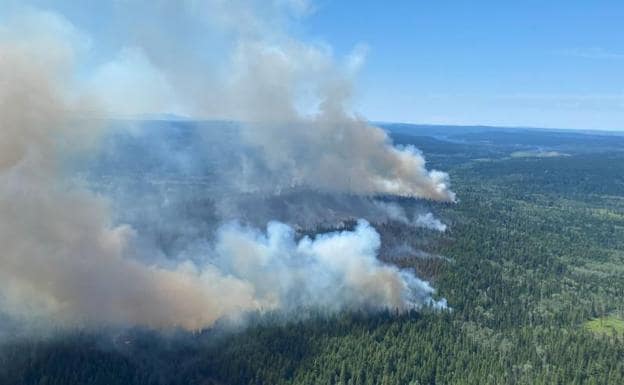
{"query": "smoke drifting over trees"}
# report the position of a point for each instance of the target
(65, 260)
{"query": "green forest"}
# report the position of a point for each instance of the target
(532, 267)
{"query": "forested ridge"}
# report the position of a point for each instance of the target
(532, 267)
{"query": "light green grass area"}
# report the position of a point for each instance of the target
(537, 154)
(606, 325)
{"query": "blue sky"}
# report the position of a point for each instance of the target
(554, 63)
(527, 63)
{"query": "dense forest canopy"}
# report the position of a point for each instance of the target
(532, 267)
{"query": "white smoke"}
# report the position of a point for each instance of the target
(430, 222)
(293, 95)
(63, 259)
(330, 149)
(393, 211)
(332, 271)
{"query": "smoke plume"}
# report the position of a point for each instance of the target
(395, 212)
(67, 258)
(430, 222)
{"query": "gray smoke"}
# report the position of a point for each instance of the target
(62, 258)
(430, 222)
(396, 212)
(293, 96)
(66, 257)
